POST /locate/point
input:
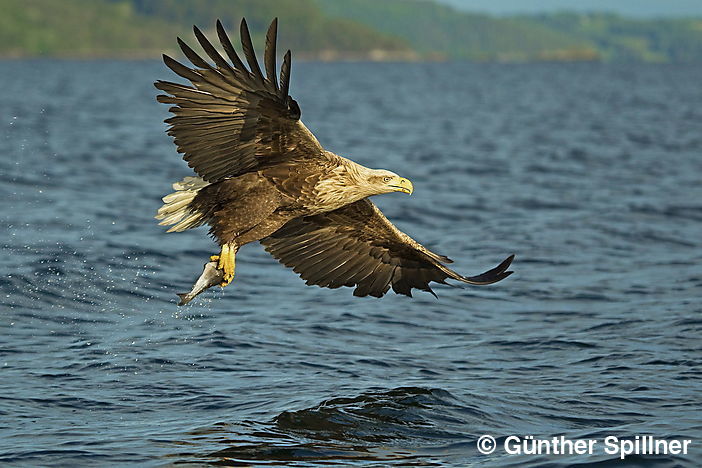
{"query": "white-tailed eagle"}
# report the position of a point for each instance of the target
(263, 176)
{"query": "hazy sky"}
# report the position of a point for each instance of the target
(641, 8)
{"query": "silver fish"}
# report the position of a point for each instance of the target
(210, 276)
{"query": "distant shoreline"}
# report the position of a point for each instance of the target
(343, 31)
(324, 56)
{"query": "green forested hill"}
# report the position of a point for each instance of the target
(304, 27)
(145, 28)
(438, 29)
(624, 39)
(80, 28)
(442, 31)
(334, 29)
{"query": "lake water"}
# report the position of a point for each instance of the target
(591, 174)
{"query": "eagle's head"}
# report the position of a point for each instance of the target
(352, 182)
(381, 181)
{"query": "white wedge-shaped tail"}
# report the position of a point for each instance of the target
(176, 206)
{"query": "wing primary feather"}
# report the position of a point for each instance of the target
(285, 76)
(431, 291)
(491, 276)
(193, 56)
(174, 88)
(345, 271)
(181, 69)
(382, 276)
(249, 52)
(269, 53)
(401, 287)
(211, 51)
(229, 48)
(363, 278)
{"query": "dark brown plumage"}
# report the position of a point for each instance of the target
(263, 176)
(357, 246)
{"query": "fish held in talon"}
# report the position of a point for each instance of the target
(211, 276)
(262, 176)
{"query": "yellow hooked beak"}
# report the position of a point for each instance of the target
(402, 185)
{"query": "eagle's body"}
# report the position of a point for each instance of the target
(263, 176)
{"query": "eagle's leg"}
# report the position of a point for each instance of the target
(226, 263)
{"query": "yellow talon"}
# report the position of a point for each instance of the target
(226, 264)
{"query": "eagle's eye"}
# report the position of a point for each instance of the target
(387, 179)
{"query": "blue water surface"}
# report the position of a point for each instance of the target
(590, 173)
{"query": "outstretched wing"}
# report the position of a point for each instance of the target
(233, 120)
(357, 246)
